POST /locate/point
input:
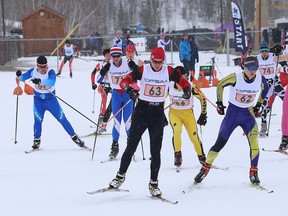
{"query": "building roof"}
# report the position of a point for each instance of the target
(43, 8)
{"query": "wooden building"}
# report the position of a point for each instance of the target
(42, 23)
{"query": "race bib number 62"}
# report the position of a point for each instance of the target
(242, 98)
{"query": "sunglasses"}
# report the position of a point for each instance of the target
(251, 68)
(157, 62)
(42, 66)
(115, 56)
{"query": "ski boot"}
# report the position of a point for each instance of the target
(36, 144)
(203, 173)
(100, 120)
(117, 182)
(178, 158)
(263, 131)
(153, 188)
(284, 143)
(202, 159)
(253, 175)
(114, 150)
(78, 141)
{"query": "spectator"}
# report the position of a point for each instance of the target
(194, 56)
(185, 54)
(117, 41)
(161, 42)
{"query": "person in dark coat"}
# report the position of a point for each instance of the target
(194, 55)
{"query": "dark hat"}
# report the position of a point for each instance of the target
(185, 34)
(41, 60)
(264, 46)
(251, 61)
(68, 41)
(105, 51)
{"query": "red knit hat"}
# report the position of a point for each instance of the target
(158, 53)
(130, 48)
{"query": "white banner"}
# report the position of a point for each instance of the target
(139, 43)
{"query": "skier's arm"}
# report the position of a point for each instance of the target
(264, 90)
(200, 95)
(175, 75)
(165, 43)
(226, 81)
(93, 73)
(51, 79)
(132, 77)
(26, 75)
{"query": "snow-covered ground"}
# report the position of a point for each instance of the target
(55, 181)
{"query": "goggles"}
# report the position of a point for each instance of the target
(251, 68)
(115, 56)
(157, 62)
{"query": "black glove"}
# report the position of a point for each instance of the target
(94, 86)
(165, 121)
(202, 119)
(277, 49)
(187, 93)
(132, 92)
(60, 57)
(180, 69)
(18, 73)
(132, 65)
(108, 90)
(221, 108)
(256, 109)
(197, 60)
(171, 37)
(36, 81)
(105, 69)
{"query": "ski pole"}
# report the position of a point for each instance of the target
(93, 109)
(119, 110)
(74, 109)
(71, 107)
(17, 91)
(208, 99)
(201, 135)
(142, 149)
(169, 105)
(16, 122)
(96, 132)
(270, 114)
